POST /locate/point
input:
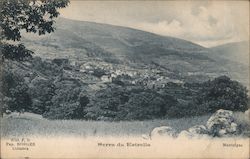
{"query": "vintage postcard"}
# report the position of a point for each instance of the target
(124, 79)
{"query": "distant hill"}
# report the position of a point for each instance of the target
(235, 59)
(103, 40)
(86, 42)
(237, 52)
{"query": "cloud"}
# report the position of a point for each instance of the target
(171, 28)
(205, 25)
(202, 22)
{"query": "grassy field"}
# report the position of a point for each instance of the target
(31, 124)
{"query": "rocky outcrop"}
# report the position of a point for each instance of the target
(163, 131)
(196, 131)
(222, 123)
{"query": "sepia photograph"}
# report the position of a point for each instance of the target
(124, 79)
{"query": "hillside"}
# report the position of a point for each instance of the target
(94, 71)
(121, 41)
(235, 59)
(237, 52)
(89, 43)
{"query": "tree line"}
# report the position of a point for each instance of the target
(56, 97)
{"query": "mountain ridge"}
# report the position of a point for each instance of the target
(126, 27)
(95, 43)
(235, 51)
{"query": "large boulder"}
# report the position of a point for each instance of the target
(198, 129)
(222, 123)
(195, 131)
(163, 131)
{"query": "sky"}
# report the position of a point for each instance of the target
(208, 23)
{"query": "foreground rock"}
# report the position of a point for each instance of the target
(197, 131)
(222, 124)
(163, 131)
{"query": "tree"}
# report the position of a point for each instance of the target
(15, 93)
(223, 93)
(41, 92)
(34, 16)
(147, 104)
(105, 103)
(67, 102)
